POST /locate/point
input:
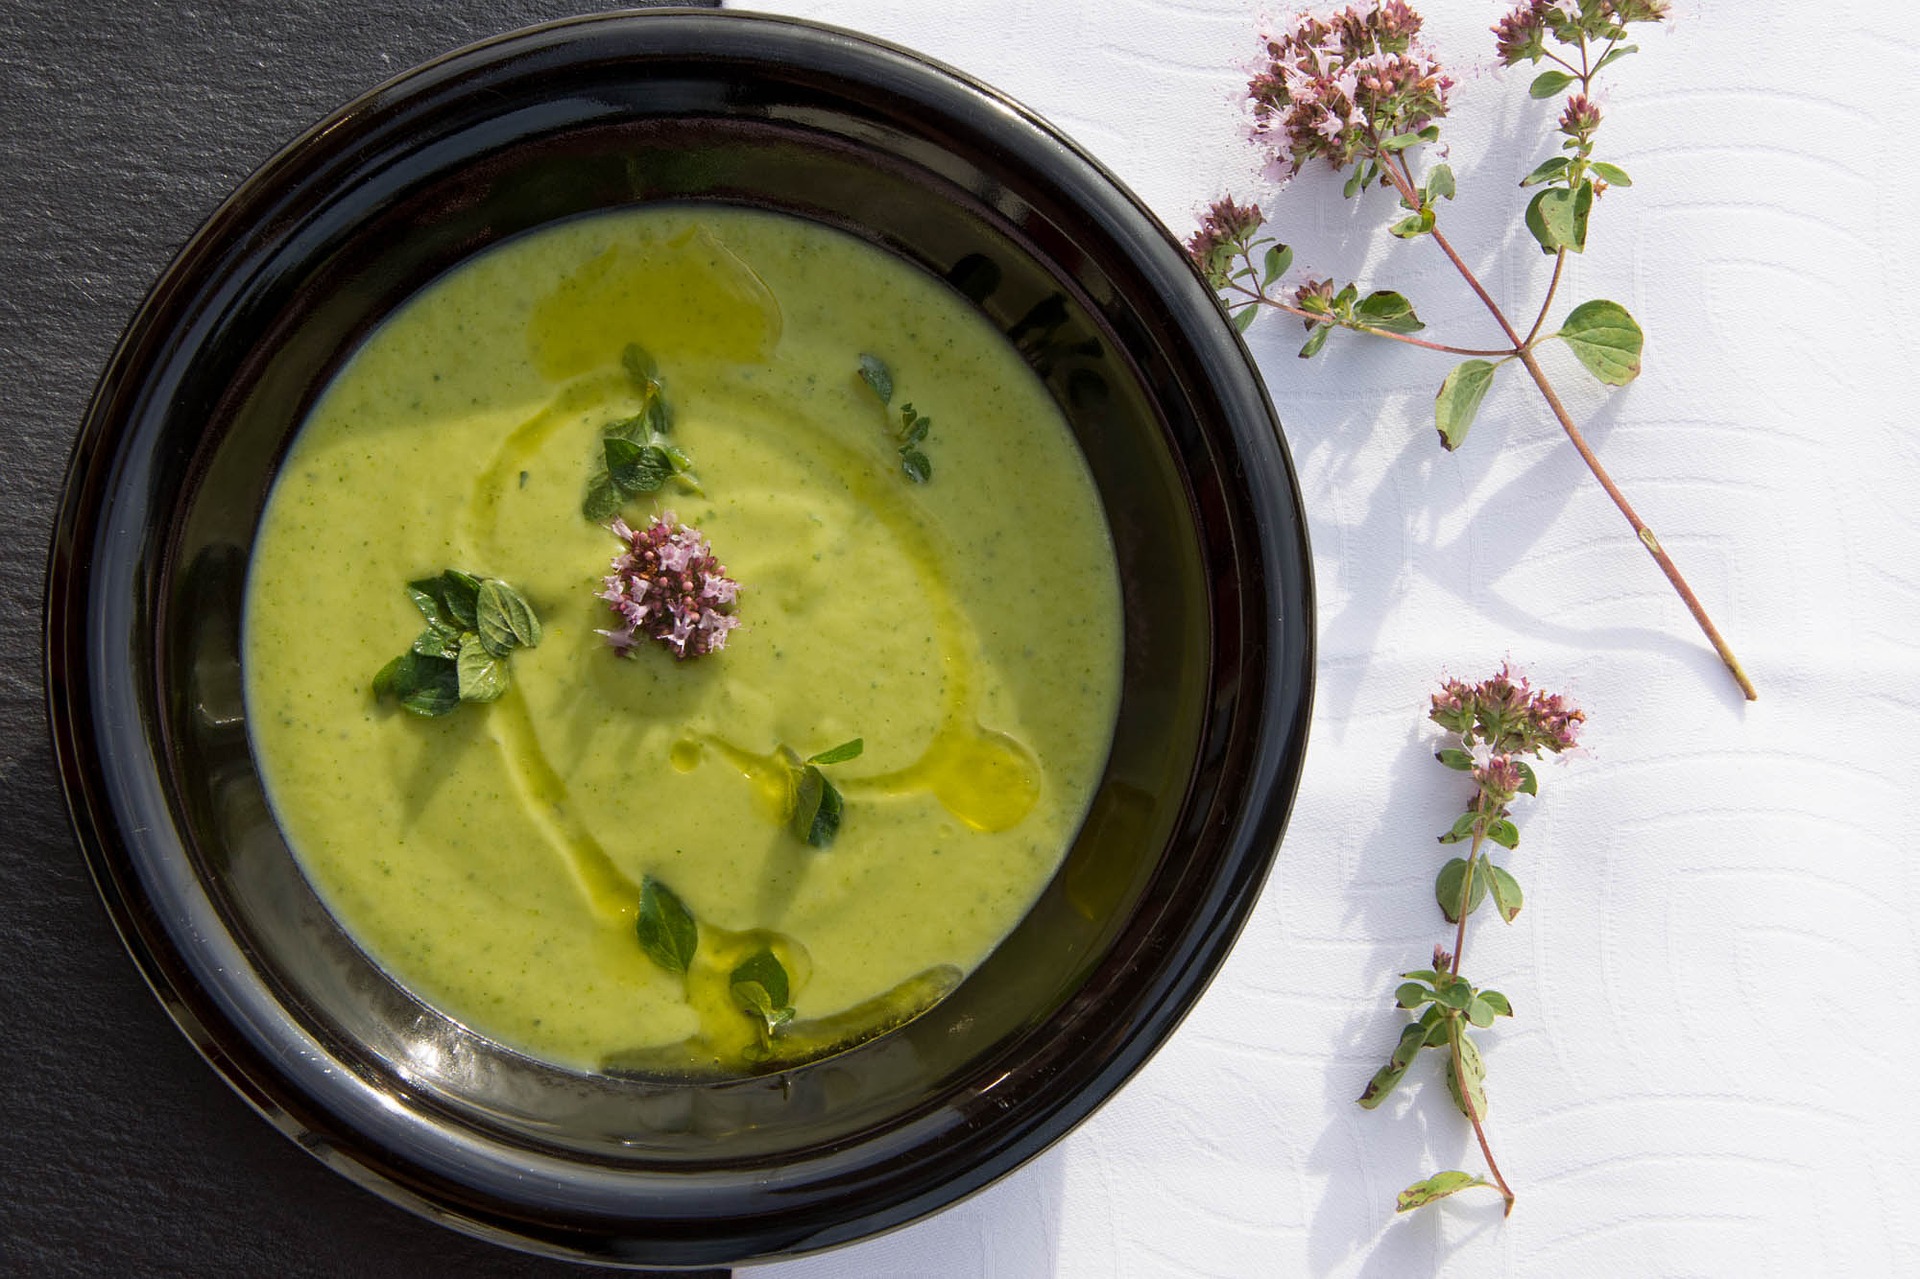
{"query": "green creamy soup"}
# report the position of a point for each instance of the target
(965, 628)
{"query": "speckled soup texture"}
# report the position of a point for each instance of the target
(966, 628)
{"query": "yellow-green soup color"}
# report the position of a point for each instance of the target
(966, 628)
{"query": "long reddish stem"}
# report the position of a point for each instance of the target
(1402, 179)
(1453, 968)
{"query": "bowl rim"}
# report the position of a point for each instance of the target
(89, 789)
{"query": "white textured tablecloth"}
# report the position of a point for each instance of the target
(1715, 974)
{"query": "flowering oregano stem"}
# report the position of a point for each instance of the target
(1262, 296)
(1523, 350)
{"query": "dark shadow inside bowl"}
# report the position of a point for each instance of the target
(292, 275)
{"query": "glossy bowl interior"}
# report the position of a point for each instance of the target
(240, 336)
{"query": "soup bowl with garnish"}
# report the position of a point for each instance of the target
(679, 638)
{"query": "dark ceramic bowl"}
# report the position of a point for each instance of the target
(216, 373)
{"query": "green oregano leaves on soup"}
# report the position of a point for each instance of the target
(473, 625)
(913, 426)
(666, 928)
(817, 806)
(637, 454)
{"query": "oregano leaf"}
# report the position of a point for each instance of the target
(1455, 758)
(817, 808)
(1412, 1039)
(482, 674)
(1385, 309)
(1438, 1186)
(875, 373)
(665, 927)
(1315, 342)
(1504, 833)
(1467, 1057)
(1548, 84)
(460, 592)
(1605, 339)
(1410, 995)
(1613, 55)
(1612, 174)
(840, 754)
(1244, 317)
(1440, 185)
(1457, 402)
(1449, 883)
(1546, 171)
(1529, 783)
(1506, 892)
(506, 620)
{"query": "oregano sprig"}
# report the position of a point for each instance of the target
(1492, 724)
(1360, 92)
(637, 454)
(913, 427)
(817, 804)
(473, 625)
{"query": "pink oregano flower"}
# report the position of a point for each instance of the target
(666, 585)
(1340, 87)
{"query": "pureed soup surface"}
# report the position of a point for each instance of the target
(967, 629)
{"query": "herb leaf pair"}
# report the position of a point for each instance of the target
(761, 987)
(636, 454)
(473, 625)
(817, 803)
(913, 426)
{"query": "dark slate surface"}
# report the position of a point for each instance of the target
(122, 125)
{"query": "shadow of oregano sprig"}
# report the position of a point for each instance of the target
(1360, 92)
(1492, 725)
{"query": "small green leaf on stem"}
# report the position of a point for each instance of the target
(1413, 225)
(1548, 170)
(506, 620)
(1504, 833)
(1612, 174)
(665, 927)
(1529, 783)
(1455, 758)
(1440, 182)
(1549, 83)
(1412, 1039)
(1480, 1013)
(1449, 884)
(1463, 826)
(817, 808)
(1385, 309)
(1244, 317)
(640, 367)
(1278, 258)
(1498, 1002)
(1613, 55)
(1558, 218)
(1605, 339)
(1436, 1187)
(1466, 1061)
(1458, 403)
(1315, 342)
(1411, 995)
(1506, 892)
(1401, 141)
